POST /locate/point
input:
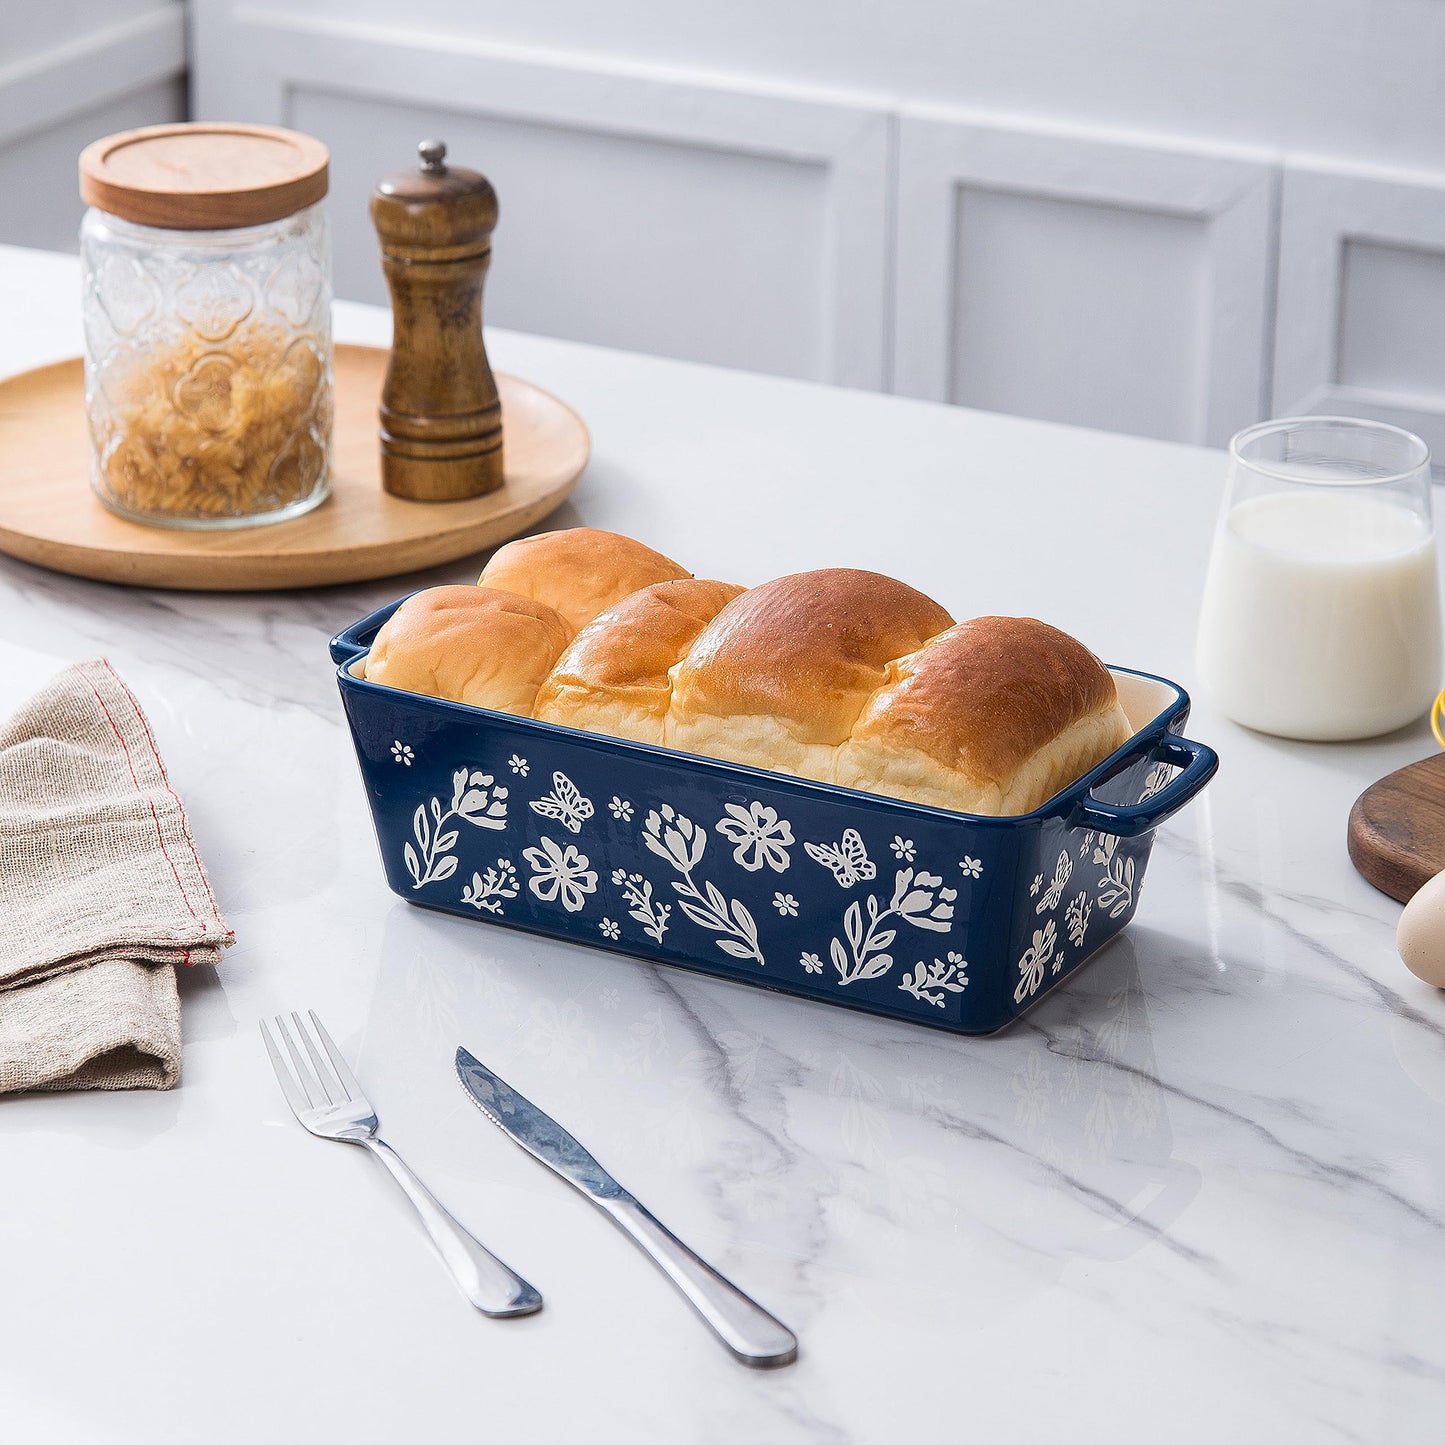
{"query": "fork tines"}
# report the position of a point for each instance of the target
(309, 1085)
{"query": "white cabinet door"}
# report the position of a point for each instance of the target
(1361, 327)
(1103, 281)
(716, 221)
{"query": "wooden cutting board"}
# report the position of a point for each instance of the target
(49, 515)
(1397, 828)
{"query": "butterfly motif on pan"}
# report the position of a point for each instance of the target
(847, 861)
(565, 803)
(1055, 890)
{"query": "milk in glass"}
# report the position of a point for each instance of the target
(1321, 616)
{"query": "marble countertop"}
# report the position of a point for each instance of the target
(1198, 1194)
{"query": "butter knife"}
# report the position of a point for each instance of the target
(744, 1326)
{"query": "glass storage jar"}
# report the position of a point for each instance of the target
(206, 274)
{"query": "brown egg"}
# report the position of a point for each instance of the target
(1421, 934)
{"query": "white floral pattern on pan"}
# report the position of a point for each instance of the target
(476, 799)
(1076, 918)
(560, 873)
(1116, 887)
(931, 981)
(641, 906)
(761, 840)
(759, 834)
(487, 891)
(918, 899)
(679, 841)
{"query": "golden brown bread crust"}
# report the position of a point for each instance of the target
(469, 644)
(838, 675)
(580, 571)
(992, 716)
(779, 676)
(614, 678)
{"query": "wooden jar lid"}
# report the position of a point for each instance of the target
(203, 176)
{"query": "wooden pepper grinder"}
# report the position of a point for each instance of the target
(441, 421)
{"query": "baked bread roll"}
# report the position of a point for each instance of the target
(469, 644)
(841, 676)
(580, 572)
(993, 716)
(780, 675)
(613, 678)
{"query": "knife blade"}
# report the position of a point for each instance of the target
(756, 1337)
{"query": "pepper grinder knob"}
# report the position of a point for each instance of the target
(441, 418)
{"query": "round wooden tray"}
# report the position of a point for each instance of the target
(49, 515)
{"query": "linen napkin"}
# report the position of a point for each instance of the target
(102, 892)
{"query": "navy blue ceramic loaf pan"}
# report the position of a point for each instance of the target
(940, 918)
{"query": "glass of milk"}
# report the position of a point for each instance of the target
(1321, 613)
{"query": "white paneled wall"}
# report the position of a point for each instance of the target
(1106, 282)
(70, 72)
(730, 223)
(1101, 214)
(1362, 298)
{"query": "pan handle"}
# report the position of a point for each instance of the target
(1197, 763)
(347, 646)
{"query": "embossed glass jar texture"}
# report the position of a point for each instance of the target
(208, 381)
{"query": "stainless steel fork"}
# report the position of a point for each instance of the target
(327, 1100)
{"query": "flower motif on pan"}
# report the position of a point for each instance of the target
(609, 929)
(760, 834)
(477, 798)
(918, 899)
(518, 765)
(650, 912)
(786, 904)
(811, 963)
(674, 837)
(560, 873)
(902, 847)
(1076, 918)
(621, 809)
(401, 753)
(930, 982)
(972, 867)
(922, 900)
(487, 891)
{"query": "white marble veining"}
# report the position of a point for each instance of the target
(1198, 1194)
